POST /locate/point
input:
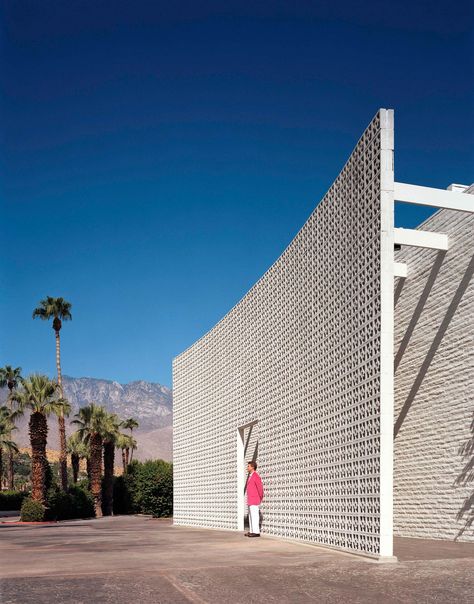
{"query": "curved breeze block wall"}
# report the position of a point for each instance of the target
(308, 353)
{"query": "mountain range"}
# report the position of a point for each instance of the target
(151, 404)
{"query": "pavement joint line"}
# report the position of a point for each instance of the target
(186, 592)
(135, 571)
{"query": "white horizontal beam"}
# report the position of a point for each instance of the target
(400, 269)
(438, 198)
(416, 238)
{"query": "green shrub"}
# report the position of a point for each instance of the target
(155, 489)
(50, 477)
(147, 488)
(60, 505)
(12, 500)
(32, 511)
(82, 502)
(76, 503)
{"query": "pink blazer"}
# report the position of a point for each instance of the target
(254, 489)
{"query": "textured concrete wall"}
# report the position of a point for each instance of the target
(303, 354)
(434, 386)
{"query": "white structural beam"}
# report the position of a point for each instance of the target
(416, 238)
(438, 198)
(400, 269)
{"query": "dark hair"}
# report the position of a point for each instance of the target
(253, 464)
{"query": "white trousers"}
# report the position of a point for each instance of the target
(254, 519)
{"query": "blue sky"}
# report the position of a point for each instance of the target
(155, 159)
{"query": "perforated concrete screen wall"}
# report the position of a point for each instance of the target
(308, 355)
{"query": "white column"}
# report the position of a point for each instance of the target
(240, 480)
(386, 335)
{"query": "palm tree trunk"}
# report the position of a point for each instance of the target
(62, 452)
(61, 423)
(124, 461)
(75, 466)
(11, 474)
(127, 455)
(1, 468)
(38, 428)
(96, 472)
(88, 470)
(108, 494)
(131, 455)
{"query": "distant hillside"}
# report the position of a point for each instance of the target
(149, 403)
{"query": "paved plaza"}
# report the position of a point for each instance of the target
(128, 558)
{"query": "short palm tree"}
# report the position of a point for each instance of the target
(59, 310)
(126, 444)
(91, 421)
(6, 444)
(130, 424)
(10, 377)
(78, 450)
(39, 394)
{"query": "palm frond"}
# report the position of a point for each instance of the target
(50, 307)
(37, 393)
(10, 376)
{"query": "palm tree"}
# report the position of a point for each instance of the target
(111, 432)
(6, 428)
(59, 310)
(39, 394)
(78, 450)
(91, 421)
(10, 377)
(126, 444)
(130, 424)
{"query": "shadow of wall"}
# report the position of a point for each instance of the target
(434, 384)
(466, 479)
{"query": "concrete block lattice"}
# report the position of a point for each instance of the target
(308, 354)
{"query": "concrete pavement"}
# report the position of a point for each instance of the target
(149, 561)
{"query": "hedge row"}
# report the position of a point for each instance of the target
(147, 488)
(75, 503)
(11, 500)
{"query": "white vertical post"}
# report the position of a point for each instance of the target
(386, 334)
(240, 480)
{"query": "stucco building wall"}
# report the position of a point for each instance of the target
(434, 385)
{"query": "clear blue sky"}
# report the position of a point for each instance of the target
(158, 157)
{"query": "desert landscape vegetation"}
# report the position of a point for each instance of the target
(79, 474)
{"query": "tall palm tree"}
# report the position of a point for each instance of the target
(59, 310)
(78, 450)
(6, 428)
(91, 423)
(126, 444)
(130, 424)
(39, 394)
(10, 377)
(110, 434)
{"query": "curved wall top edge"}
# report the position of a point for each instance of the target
(293, 241)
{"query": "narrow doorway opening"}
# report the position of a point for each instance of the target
(247, 450)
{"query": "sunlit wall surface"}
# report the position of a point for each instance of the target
(434, 385)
